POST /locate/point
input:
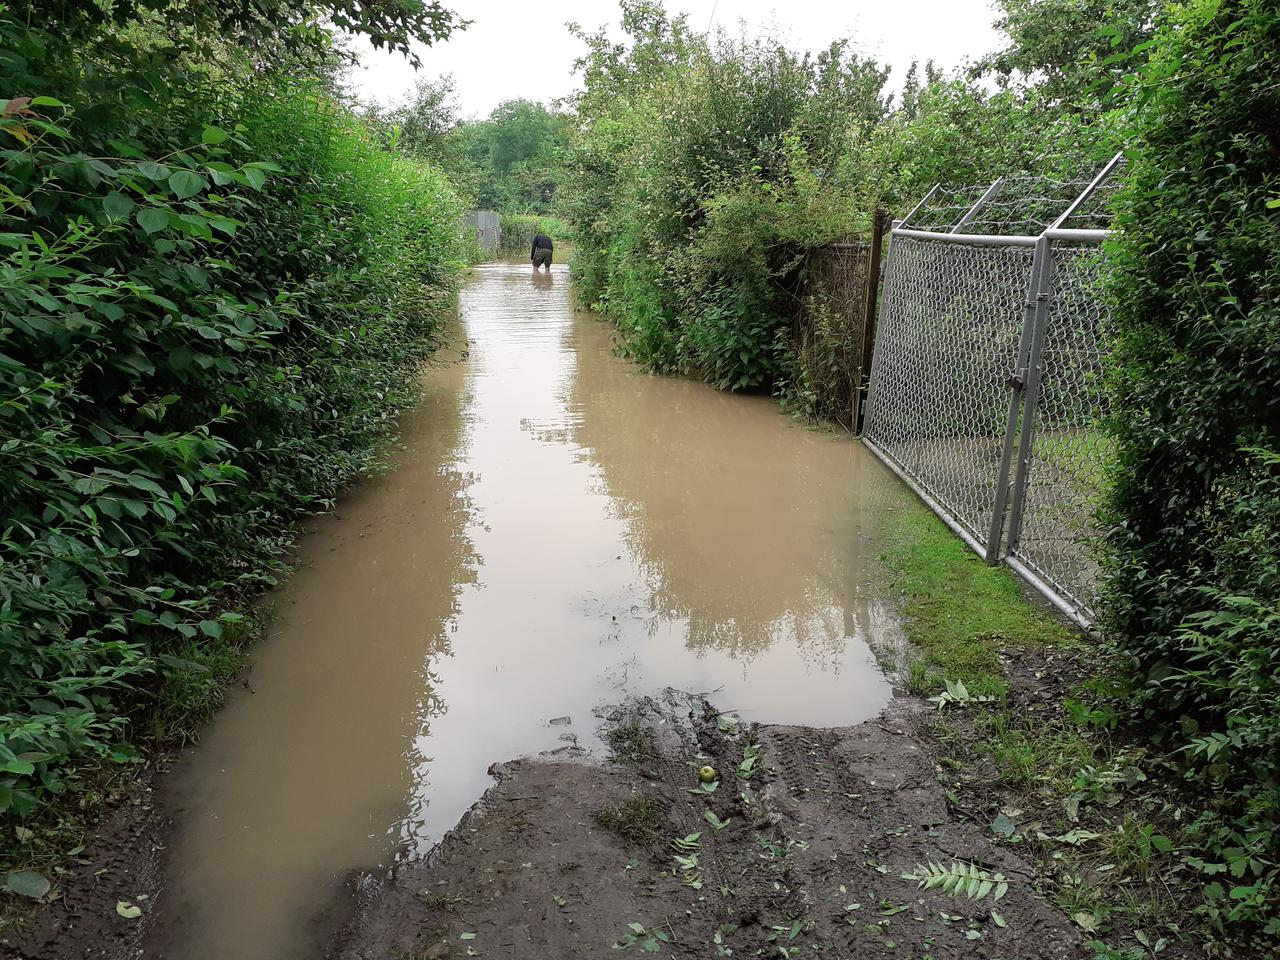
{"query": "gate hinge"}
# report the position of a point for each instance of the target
(1017, 380)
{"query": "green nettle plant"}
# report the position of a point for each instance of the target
(1194, 573)
(215, 291)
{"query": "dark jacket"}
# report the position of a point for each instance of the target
(541, 242)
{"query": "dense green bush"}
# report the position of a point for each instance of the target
(1194, 579)
(706, 170)
(703, 170)
(214, 294)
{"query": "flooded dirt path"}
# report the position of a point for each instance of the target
(560, 531)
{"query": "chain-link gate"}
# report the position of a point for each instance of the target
(990, 344)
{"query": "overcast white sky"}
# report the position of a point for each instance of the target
(522, 49)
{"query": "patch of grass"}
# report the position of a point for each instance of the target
(195, 684)
(631, 743)
(637, 819)
(1027, 752)
(960, 612)
(1135, 848)
(441, 901)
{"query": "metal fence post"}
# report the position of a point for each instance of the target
(972, 212)
(1018, 382)
(919, 206)
(1041, 320)
(1102, 177)
(878, 222)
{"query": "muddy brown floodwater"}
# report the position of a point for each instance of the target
(561, 531)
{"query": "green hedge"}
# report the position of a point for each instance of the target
(518, 230)
(214, 294)
(1194, 578)
(701, 172)
(705, 169)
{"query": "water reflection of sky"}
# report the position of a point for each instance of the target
(636, 533)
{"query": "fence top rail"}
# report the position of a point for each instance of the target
(972, 239)
(1082, 236)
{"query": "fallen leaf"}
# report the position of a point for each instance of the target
(27, 883)
(128, 910)
(1086, 921)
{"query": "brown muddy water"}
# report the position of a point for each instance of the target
(561, 531)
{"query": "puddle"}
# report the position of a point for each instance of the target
(561, 531)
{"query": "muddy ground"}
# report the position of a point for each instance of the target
(799, 853)
(124, 864)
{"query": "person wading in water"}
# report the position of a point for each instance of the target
(541, 252)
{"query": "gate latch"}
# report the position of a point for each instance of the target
(1016, 380)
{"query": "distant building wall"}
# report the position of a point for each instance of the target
(485, 224)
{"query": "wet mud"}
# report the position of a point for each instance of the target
(801, 853)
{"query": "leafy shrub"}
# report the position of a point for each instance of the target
(518, 230)
(215, 294)
(1194, 571)
(702, 172)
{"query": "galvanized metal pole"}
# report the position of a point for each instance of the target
(1103, 175)
(1017, 384)
(1041, 324)
(916, 209)
(996, 186)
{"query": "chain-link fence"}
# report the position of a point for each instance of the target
(949, 333)
(986, 391)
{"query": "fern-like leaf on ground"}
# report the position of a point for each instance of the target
(959, 879)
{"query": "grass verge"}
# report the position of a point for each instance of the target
(962, 613)
(1037, 741)
(631, 743)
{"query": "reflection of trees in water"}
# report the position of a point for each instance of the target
(819, 634)
(744, 526)
(441, 509)
(444, 509)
